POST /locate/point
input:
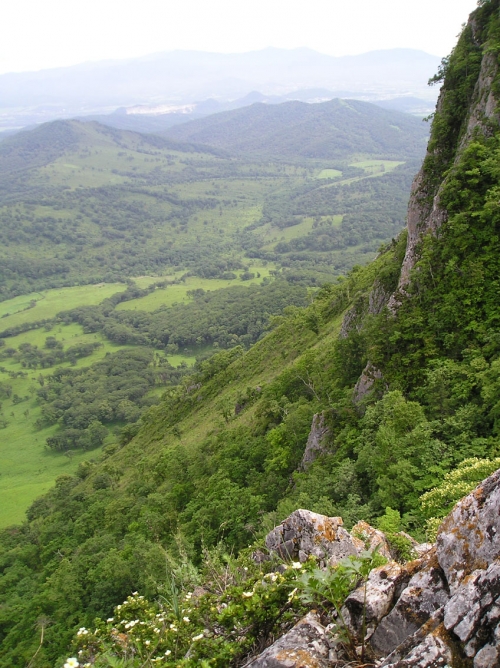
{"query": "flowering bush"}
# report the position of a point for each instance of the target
(211, 629)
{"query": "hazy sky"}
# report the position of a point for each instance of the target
(37, 34)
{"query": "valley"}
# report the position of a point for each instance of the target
(205, 246)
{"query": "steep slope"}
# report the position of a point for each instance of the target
(221, 459)
(331, 130)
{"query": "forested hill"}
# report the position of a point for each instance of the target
(86, 203)
(401, 396)
(44, 144)
(333, 129)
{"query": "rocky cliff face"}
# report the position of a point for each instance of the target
(426, 213)
(442, 609)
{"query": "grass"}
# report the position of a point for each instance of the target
(27, 467)
(329, 174)
(177, 294)
(216, 200)
(274, 235)
(49, 303)
(377, 166)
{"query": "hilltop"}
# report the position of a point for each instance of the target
(327, 130)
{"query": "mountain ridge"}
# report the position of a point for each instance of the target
(184, 77)
(262, 128)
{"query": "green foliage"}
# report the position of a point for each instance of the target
(214, 629)
(82, 400)
(221, 455)
(82, 203)
(437, 502)
(226, 317)
(331, 586)
(295, 130)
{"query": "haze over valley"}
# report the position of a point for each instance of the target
(176, 85)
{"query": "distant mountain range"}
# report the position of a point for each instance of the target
(331, 129)
(174, 82)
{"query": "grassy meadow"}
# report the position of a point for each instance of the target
(27, 467)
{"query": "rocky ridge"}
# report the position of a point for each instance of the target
(441, 609)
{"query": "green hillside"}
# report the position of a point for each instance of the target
(333, 130)
(83, 203)
(86, 209)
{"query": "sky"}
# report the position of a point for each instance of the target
(41, 34)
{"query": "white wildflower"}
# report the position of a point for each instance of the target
(71, 663)
(185, 619)
(110, 619)
(247, 594)
(195, 638)
(168, 652)
(296, 565)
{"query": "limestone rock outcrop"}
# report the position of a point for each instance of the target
(425, 593)
(304, 533)
(378, 597)
(306, 645)
(366, 382)
(469, 538)
(316, 440)
(442, 609)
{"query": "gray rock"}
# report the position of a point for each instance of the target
(315, 441)
(473, 614)
(426, 592)
(426, 214)
(304, 533)
(432, 652)
(377, 299)
(304, 646)
(489, 656)
(381, 588)
(469, 538)
(365, 382)
(426, 648)
(372, 538)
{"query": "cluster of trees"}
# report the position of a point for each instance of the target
(114, 391)
(32, 357)
(225, 317)
(333, 130)
(219, 460)
(56, 235)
